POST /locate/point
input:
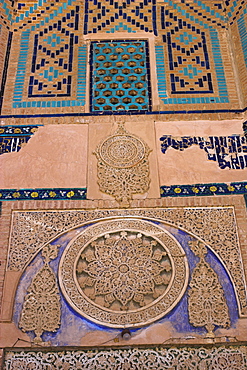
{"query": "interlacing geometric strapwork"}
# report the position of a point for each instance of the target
(174, 358)
(123, 272)
(123, 168)
(207, 304)
(119, 76)
(41, 308)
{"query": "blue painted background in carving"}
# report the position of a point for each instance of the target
(74, 327)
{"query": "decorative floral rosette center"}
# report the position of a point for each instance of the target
(126, 268)
(123, 272)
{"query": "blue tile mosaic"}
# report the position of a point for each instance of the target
(242, 27)
(43, 194)
(6, 9)
(233, 8)
(51, 74)
(165, 191)
(52, 60)
(128, 15)
(204, 189)
(190, 43)
(21, 67)
(5, 68)
(188, 70)
(228, 151)
(198, 12)
(12, 138)
(120, 76)
(82, 69)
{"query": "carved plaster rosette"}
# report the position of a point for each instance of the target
(123, 168)
(123, 272)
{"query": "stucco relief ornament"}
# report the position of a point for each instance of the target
(123, 272)
(41, 309)
(123, 168)
(207, 304)
(124, 269)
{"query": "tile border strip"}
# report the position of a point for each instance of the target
(43, 194)
(165, 191)
(204, 189)
(126, 113)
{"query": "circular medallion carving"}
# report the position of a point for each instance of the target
(123, 272)
(122, 151)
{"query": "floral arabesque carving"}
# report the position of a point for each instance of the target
(179, 358)
(152, 283)
(41, 308)
(216, 226)
(124, 267)
(123, 168)
(206, 303)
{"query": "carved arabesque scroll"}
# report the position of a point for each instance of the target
(207, 304)
(41, 308)
(123, 168)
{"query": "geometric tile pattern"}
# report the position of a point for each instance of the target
(53, 39)
(119, 76)
(124, 15)
(234, 8)
(6, 12)
(229, 151)
(82, 74)
(203, 13)
(12, 138)
(188, 60)
(189, 54)
(52, 59)
(39, 13)
(6, 9)
(189, 45)
(21, 68)
(242, 27)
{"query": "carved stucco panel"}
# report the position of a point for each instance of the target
(215, 226)
(123, 265)
(162, 358)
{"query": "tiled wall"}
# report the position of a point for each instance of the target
(112, 16)
(5, 39)
(192, 58)
(228, 151)
(13, 138)
(47, 69)
(120, 76)
(237, 18)
(51, 42)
